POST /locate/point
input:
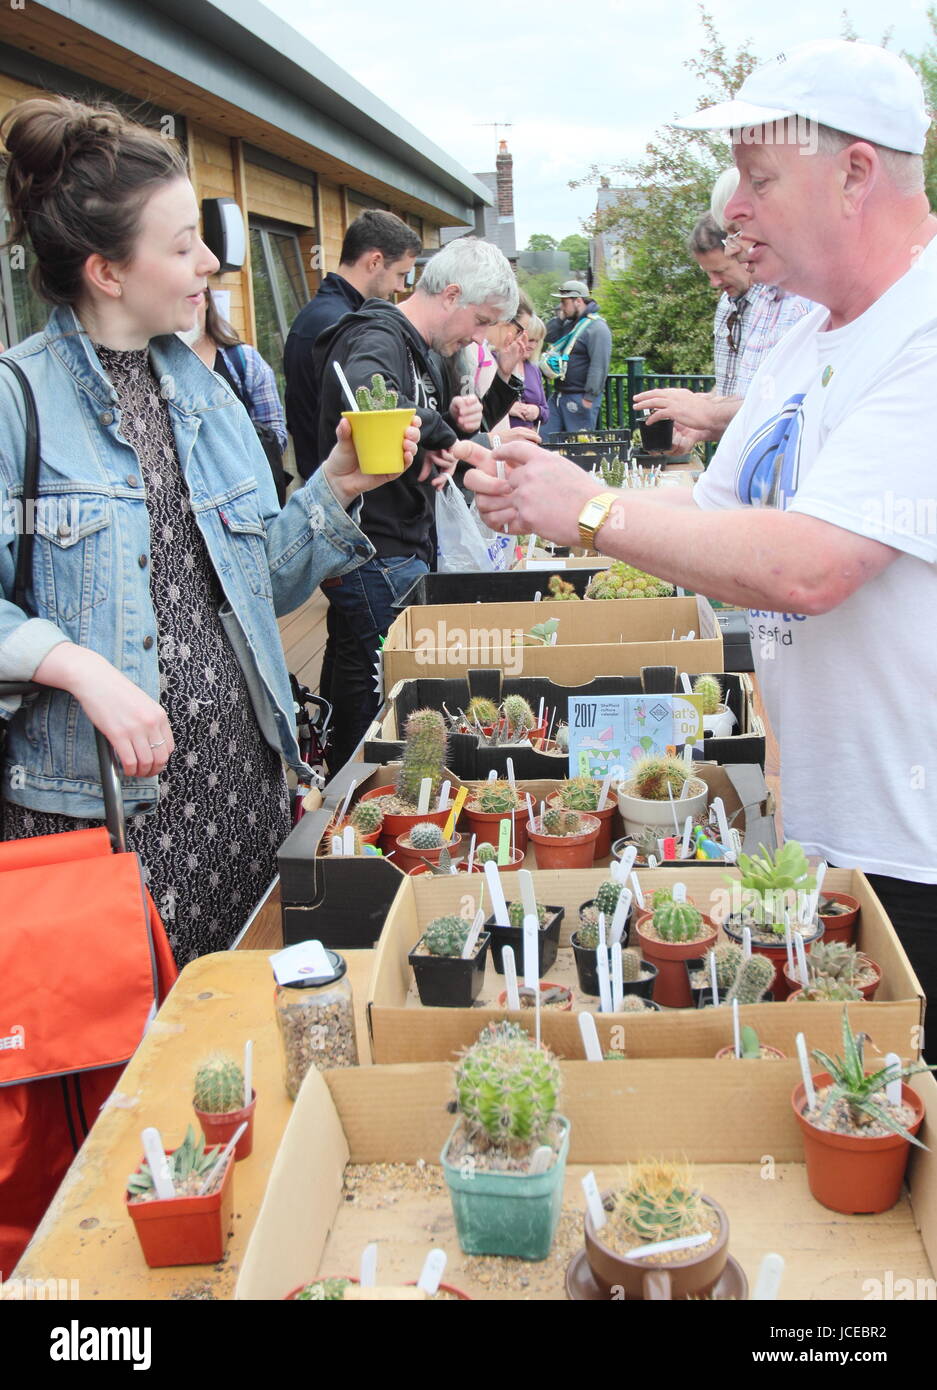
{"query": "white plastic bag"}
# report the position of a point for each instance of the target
(461, 544)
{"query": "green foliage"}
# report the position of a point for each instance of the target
(219, 1085)
(754, 978)
(542, 241)
(323, 1291)
(771, 882)
(190, 1160)
(541, 634)
(424, 755)
(833, 961)
(507, 1091)
(538, 287)
(676, 922)
(577, 247)
(624, 581)
(516, 914)
(612, 470)
(445, 936)
(710, 690)
(426, 835)
(378, 398)
(861, 1091)
(650, 778)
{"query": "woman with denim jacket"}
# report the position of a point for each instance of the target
(161, 558)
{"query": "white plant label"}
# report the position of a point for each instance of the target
(620, 915)
(305, 961)
(511, 777)
(768, 1281)
(605, 984)
(618, 988)
(471, 941)
(338, 846)
(367, 1274)
(248, 1070)
(422, 803)
(679, 892)
(444, 791)
(746, 942)
(804, 1060)
(434, 1267)
(893, 1089)
(721, 821)
(594, 1201)
(590, 1037)
(525, 882)
(158, 1161)
(510, 977)
(498, 905)
(638, 895)
(348, 839)
(736, 1029)
(626, 862)
(531, 952)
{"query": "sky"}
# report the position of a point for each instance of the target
(579, 87)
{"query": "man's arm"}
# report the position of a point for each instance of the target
(702, 411)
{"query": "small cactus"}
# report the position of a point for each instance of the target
(482, 711)
(496, 798)
(507, 1091)
(633, 1004)
(630, 966)
(367, 817)
(749, 1041)
(579, 794)
(676, 922)
(561, 823)
(624, 581)
(519, 714)
(561, 738)
(378, 398)
(427, 836)
(662, 896)
(657, 1202)
(711, 691)
(560, 589)
(219, 1085)
(516, 914)
(606, 897)
(424, 755)
(445, 936)
(755, 977)
(728, 959)
(486, 854)
(650, 778)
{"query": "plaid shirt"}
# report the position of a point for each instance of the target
(260, 389)
(765, 315)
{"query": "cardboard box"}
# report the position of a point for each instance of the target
(403, 1031)
(742, 1140)
(383, 741)
(616, 637)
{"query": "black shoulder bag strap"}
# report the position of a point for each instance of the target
(24, 555)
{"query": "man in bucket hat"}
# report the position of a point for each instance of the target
(818, 512)
(576, 360)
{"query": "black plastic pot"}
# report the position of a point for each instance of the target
(514, 937)
(590, 902)
(448, 982)
(657, 436)
(588, 973)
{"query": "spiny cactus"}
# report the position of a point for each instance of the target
(612, 470)
(486, 854)
(219, 1085)
(661, 896)
(710, 690)
(507, 1092)
(424, 755)
(561, 738)
(496, 798)
(378, 398)
(482, 711)
(755, 977)
(516, 914)
(650, 778)
(675, 922)
(445, 936)
(560, 589)
(728, 959)
(624, 581)
(503, 1032)
(633, 1004)
(426, 835)
(630, 966)
(606, 897)
(580, 794)
(518, 713)
(561, 823)
(658, 1202)
(367, 817)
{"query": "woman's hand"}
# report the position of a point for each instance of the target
(135, 726)
(341, 467)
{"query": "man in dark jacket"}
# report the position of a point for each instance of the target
(577, 330)
(466, 289)
(378, 253)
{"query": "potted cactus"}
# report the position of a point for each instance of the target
(520, 718)
(564, 839)
(219, 1103)
(728, 958)
(657, 1202)
(189, 1228)
(423, 844)
(718, 719)
(443, 978)
(751, 1048)
(670, 933)
(424, 755)
(637, 975)
(367, 818)
(483, 712)
(839, 913)
(582, 794)
(378, 428)
(645, 799)
(549, 920)
(490, 804)
(506, 1093)
(558, 998)
(832, 963)
(767, 893)
(624, 581)
(856, 1141)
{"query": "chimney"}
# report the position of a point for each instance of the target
(504, 165)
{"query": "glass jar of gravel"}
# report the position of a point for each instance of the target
(317, 1024)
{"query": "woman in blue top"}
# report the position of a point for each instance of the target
(161, 558)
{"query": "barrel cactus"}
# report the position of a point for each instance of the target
(711, 691)
(728, 959)
(755, 977)
(445, 936)
(516, 914)
(634, 1004)
(657, 1202)
(507, 1092)
(497, 797)
(219, 1085)
(580, 794)
(486, 854)
(482, 710)
(378, 397)
(650, 778)
(560, 823)
(677, 922)
(426, 835)
(367, 817)
(424, 755)
(606, 897)
(518, 713)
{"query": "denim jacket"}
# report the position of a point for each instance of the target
(92, 532)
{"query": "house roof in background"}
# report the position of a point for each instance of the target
(500, 230)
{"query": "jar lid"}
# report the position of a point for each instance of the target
(339, 966)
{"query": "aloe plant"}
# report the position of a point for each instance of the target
(189, 1165)
(860, 1089)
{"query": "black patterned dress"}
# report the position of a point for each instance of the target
(209, 847)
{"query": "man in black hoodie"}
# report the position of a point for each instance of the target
(466, 288)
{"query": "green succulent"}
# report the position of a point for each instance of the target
(830, 991)
(219, 1085)
(579, 794)
(624, 581)
(861, 1090)
(516, 914)
(518, 713)
(424, 755)
(497, 797)
(677, 922)
(426, 835)
(650, 778)
(378, 398)
(834, 961)
(658, 1202)
(190, 1162)
(446, 936)
(754, 978)
(323, 1291)
(561, 590)
(367, 817)
(483, 711)
(749, 1041)
(728, 959)
(561, 823)
(507, 1091)
(711, 691)
(486, 854)
(770, 883)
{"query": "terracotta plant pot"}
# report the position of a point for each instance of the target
(218, 1128)
(185, 1230)
(394, 825)
(840, 926)
(443, 1288)
(867, 991)
(486, 826)
(544, 985)
(672, 986)
(776, 954)
(516, 862)
(372, 839)
(774, 1054)
(848, 1173)
(407, 858)
(603, 845)
(566, 851)
(692, 1277)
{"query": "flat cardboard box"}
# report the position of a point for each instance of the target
(402, 1030)
(742, 1140)
(383, 741)
(616, 637)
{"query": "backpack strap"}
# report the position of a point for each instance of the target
(24, 554)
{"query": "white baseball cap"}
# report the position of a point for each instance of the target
(858, 88)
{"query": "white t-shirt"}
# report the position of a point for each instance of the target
(841, 426)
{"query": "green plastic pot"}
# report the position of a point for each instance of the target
(507, 1213)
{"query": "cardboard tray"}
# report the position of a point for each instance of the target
(403, 1031)
(383, 741)
(742, 1140)
(437, 640)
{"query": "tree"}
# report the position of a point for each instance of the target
(538, 289)
(540, 241)
(578, 248)
(926, 68)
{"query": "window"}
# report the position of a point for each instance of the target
(280, 289)
(23, 311)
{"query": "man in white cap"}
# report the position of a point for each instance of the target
(577, 361)
(819, 509)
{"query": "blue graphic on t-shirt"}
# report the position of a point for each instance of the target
(770, 462)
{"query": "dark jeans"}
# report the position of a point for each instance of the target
(569, 415)
(361, 609)
(912, 908)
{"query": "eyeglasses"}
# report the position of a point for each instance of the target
(732, 242)
(519, 328)
(734, 330)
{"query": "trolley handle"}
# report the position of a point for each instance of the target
(107, 762)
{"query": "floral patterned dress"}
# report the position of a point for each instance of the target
(209, 847)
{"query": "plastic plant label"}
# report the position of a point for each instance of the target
(498, 905)
(713, 977)
(444, 791)
(471, 941)
(620, 916)
(511, 778)
(602, 940)
(158, 1162)
(510, 977)
(670, 847)
(679, 893)
(531, 952)
(307, 960)
(248, 1071)
(805, 1074)
(687, 832)
(893, 1088)
(661, 1247)
(367, 1272)
(471, 854)
(422, 801)
(504, 841)
(594, 1201)
(525, 884)
(801, 958)
(736, 1029)
(746, 942)
(768, 1280)
(603, 793)
(540, 1160)
(723, 824)
(590, 1037)
(618, 988)
(434, 1267)
(338, 846)
(626, 862)
(605, 984)
(457, 805)
(348, 839)
(530, 810)
(638, 895)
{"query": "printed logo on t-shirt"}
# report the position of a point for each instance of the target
(770, 462)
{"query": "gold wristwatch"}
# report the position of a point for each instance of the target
(593, 515)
